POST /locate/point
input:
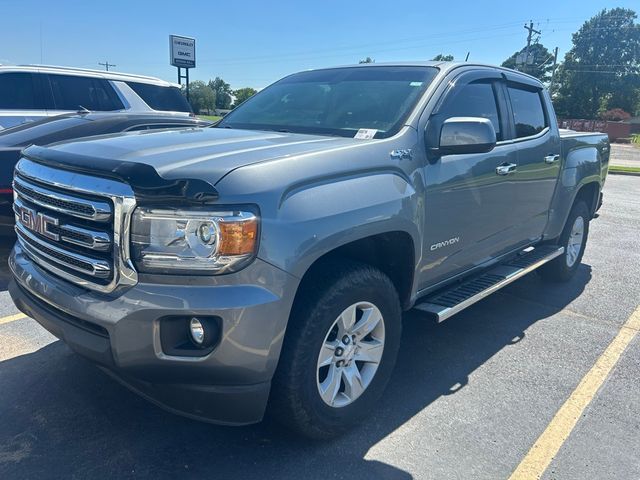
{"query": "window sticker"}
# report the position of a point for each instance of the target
(366, 133)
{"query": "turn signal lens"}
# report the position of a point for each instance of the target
(238, 237)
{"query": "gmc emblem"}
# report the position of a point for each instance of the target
(38, 222)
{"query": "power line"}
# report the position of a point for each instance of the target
(106, 65)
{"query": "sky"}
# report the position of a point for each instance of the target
(253, 43)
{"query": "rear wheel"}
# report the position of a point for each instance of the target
(573, 239)
(340, 350)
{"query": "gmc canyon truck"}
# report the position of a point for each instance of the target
(266, 262)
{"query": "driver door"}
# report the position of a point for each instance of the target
(469, 203)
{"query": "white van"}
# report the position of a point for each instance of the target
(31, 92)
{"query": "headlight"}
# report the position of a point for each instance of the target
(189, 241)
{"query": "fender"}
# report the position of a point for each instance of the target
(582, 165)
(322, 216)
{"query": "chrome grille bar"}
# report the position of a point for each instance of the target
(50, 253)
(62, 203)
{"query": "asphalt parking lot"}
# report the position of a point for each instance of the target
(469, 397)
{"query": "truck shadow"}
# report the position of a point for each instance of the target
(62, 417)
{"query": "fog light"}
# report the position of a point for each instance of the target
(196, 329)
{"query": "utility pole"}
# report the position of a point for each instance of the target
(553, 72)
(531, 32)
(106, 65)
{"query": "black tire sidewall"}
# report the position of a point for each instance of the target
(557, 270)
(385, 303)
(579, 210)
(359, 284)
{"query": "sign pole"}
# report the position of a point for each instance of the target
(187, 83)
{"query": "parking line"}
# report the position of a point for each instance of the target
(534, 464)
(12, 318)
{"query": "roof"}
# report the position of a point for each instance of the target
(86, 72)
(447, 66)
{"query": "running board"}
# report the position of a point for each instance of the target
(445, 303)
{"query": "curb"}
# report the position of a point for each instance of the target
(618, 172)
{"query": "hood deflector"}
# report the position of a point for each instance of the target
(148, 186)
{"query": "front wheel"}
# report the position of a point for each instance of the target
(574, 240)
(340, 350)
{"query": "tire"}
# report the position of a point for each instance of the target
(326, 295)
(564, 267)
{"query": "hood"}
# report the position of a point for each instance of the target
(207, 154)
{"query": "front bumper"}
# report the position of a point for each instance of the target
(121, 333)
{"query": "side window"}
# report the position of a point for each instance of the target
(528, 111)
(169, 99)
(107, 96)
(474, 100)
(72, 92)
(18, 92)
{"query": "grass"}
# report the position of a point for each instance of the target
(211, 118)
(618, 168)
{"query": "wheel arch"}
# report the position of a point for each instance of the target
(392, 252)
(590, 194)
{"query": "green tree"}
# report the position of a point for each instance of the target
(602, 70)
(367, 60)
(539, 64)
(442, 58)
(201, 97)
(223, 92)
(242, 94)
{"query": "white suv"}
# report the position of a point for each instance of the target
(31, 92)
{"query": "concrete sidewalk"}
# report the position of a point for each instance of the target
(625, 155)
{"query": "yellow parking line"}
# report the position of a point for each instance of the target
(548, 444)
(12, 318)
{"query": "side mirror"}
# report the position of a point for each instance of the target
(466, 135)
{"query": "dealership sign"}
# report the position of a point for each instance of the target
(182, 51)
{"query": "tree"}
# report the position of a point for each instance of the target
(242, 94)
(223, 92)
(442, 58)
(201, 97)
(539, 65)
(602, 70)
(615, 115)
(367, 60)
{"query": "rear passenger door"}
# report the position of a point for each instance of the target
(538, 155)
(74, 92)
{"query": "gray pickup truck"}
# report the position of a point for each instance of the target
(266, 262)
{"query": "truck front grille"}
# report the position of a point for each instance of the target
(74, 225)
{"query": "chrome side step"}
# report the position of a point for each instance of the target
(453, 299)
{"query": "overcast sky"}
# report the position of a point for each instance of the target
(251, 43)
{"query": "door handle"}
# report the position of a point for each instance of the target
(551, 158)
(506, 168)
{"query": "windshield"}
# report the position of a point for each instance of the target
(337, 101)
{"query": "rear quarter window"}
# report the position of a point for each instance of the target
(528, 112)
(167, 99)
